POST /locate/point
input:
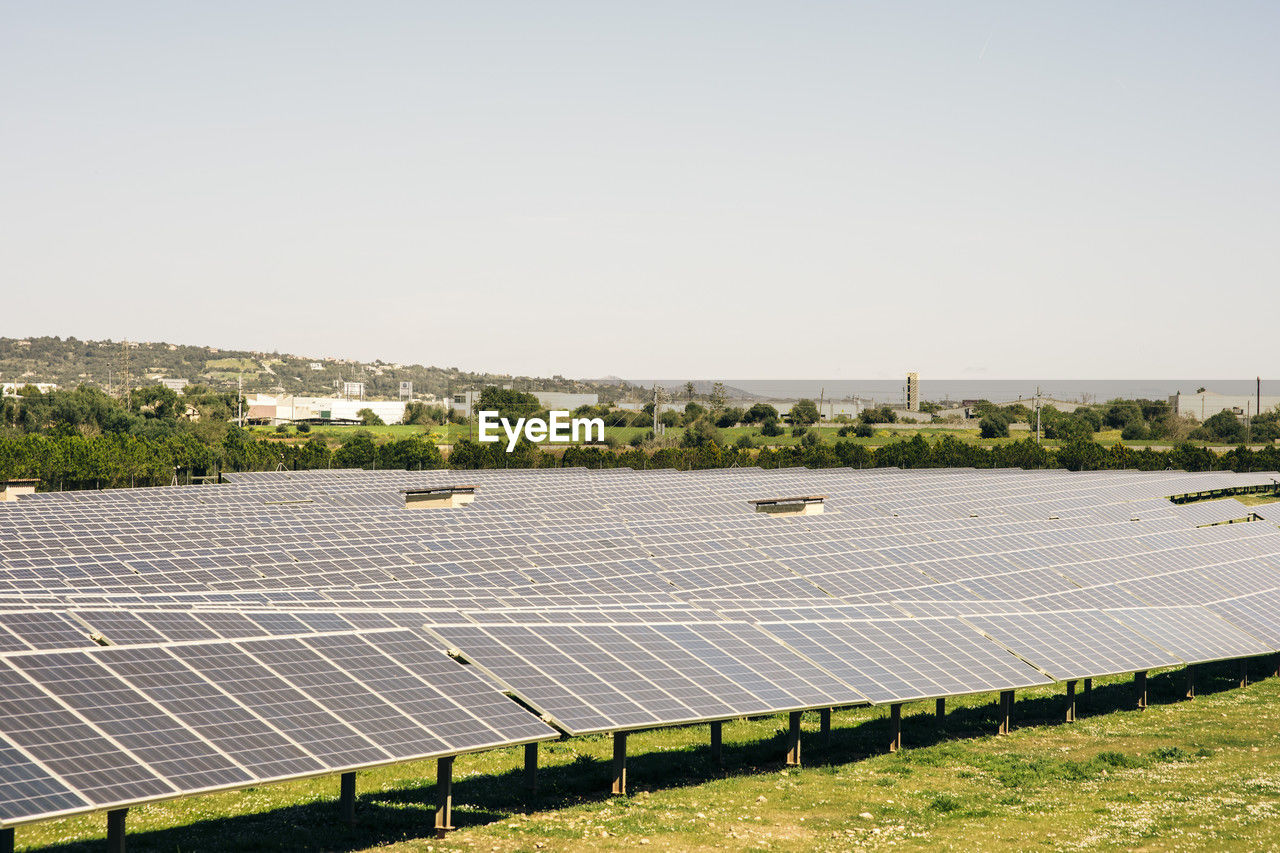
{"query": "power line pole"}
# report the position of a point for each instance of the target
(240, 400)
(125, 391)
(1037, 414)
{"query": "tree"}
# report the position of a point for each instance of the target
(507, 402)
(1135, 431)
(878, 415)
(760, 412)
(700, 433)
(1224, 426)
(804, 412)
(1082, 454)
(368, 417)
(690, 391)
(993, 426)
(729, 418)
(358, 451)
(771, 428)
(719, 396)
(692, 411)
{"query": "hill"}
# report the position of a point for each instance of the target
(70, 362)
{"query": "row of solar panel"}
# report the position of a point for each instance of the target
(82, 730)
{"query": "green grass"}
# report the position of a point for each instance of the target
(1199, 775)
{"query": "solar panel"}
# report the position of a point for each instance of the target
(45, 630)
(1073, 645)
(607, 599)
(901, 660)
(302, 720)
(1192, 633)
(132, 720)
(28, 791)
(97, 769)
(220, 719)
(471, 713)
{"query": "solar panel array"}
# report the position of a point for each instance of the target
(171, 641)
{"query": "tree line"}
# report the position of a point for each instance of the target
(116, 460)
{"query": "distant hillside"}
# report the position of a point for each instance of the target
(69, 362)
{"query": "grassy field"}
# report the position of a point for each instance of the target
(1198, 775)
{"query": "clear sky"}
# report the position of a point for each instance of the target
(711, 189)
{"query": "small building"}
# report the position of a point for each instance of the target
(175, 384)
(11, 490)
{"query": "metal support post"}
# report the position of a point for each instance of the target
(1006, 712)
(1071, 701)
(347, 798)
(619, 764)
(1191, 681)
(895, 727)
(444, 794)
(940, 709)
(824, 725)
(531, 768)
(1140, 683)
(717, 743)
(115, 830)
(793, 739)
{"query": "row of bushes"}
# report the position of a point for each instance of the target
(80, 462)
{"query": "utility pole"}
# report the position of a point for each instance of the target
(1037, 414)
(124, 394)
(240, 400)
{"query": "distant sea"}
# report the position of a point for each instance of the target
(996, 390)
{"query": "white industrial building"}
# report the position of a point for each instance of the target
(1206, 404)
(272, 409)
(11, 389)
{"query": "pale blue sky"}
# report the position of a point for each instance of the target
(722, 190)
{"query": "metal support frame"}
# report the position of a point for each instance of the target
(1244, 672)
(1071, 701)
(115, 830)
(793, 739)
(895, 727)
(824, 725)
(1140, 684)
(6, 840)
(619, 764)
(444, 794)
(1088, 689)
(347, 797)
(940, 709)
(1006, 712)
(1191, 681)
(717, 743)
(531, 768)
(1277, 672)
